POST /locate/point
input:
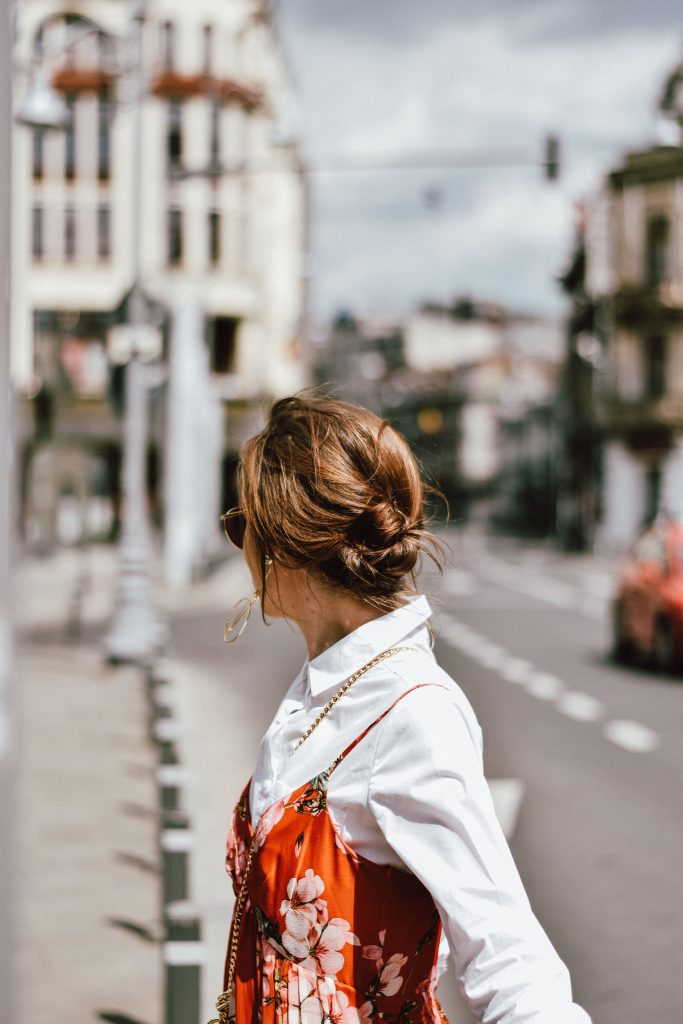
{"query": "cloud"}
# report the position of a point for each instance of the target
(475, 81)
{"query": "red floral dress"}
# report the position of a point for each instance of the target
(327, 936)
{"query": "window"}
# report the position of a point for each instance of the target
(103, 138)
(655, 367)
(657, 251)
(214, 237)
(223, 344)
(175, 237)
(207, 46)
(167, 45)
(69, 233)
(37, 233)
(174, 135)
(38, 152)
(103, 232)
(70, 140)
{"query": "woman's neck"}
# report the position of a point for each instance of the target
(330, 618)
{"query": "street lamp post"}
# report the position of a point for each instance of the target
(136, 632)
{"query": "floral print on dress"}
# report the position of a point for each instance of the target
(307, 957)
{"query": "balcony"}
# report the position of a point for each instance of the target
(654, 306)
(171, 85)
(647, 424)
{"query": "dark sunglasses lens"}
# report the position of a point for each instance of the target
(234, 524)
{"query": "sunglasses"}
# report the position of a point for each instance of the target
(234, 526)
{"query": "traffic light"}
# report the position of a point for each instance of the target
(551, 162)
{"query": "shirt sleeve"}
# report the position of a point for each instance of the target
(430, 799)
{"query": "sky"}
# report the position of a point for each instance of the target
(380, 79)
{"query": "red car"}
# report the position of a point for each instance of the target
(647, 616)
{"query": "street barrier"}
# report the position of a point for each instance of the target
(183, 952)
(183, 958)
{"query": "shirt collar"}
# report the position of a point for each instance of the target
(342, 659)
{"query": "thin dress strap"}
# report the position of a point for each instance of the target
(377, 720)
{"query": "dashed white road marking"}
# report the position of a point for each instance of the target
(459, 583)
(507, 797)
(543, 588)
(544, 686)
(489, 655)
(516, 670)
(631, 735)
(580, 706)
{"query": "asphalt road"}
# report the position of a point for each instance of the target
(596, 748)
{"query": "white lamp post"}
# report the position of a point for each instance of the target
(136, 632)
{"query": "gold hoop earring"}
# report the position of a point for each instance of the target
(238, 617)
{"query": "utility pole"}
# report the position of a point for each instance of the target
(136, 632)
(7, 716)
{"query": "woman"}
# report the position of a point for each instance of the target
(365, 846)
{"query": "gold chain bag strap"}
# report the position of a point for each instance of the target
(223, 1001)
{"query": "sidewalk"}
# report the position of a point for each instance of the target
(88, 891)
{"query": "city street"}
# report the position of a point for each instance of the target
(593, 813)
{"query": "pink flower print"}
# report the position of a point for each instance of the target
(345, 929)
(340, 1012)
(372, 952)
(304, 1006)
(390, 979)
(324, 943)
(235, 858)
(267, 965)
(305, 913)
(268, 819)
(375, 952)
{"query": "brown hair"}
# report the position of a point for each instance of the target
(330, 487)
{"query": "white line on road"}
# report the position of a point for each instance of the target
(544, 686)
(516, 670)
(543, 588)
(459, 583)
(631, 735)
(489, 655)
(580, 706)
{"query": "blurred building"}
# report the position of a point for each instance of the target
(640, 408)
(622, 389)
(447, 376)
(223, 256)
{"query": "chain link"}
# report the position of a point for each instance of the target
(223, 1001)
(345, 686)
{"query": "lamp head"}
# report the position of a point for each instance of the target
(43, 106)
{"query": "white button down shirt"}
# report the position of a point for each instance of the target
(412, 794)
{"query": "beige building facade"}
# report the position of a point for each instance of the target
(635, 269)
(222, 249)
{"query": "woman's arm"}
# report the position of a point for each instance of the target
(431, 801)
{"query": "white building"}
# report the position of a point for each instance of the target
(502, 360)
(222, 247)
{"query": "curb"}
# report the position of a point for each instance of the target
(183, 950)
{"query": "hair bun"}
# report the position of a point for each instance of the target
(330, 487)
(379, 526)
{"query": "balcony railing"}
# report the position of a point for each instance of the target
(619, 414)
